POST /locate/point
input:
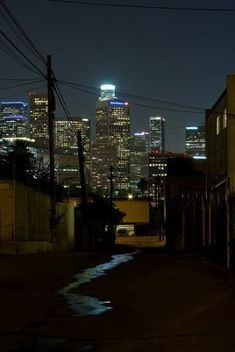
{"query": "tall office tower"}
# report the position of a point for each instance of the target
(14, 121)
(67, 147)
(39, 120)
(103, 156)
(157, 174)
(195, 144)
(139, 148)
(113, 131)
(157, 133)
(107, 92)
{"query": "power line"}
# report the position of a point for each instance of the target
(24, 91)
(21, 84)
(26, 39)
(147, 7)
(63, 104)
(17, 79)
(72, 84)
(61, 100)
(190, 109)
(20, 52)
(4, 47)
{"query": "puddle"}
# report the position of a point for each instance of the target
(86, 305)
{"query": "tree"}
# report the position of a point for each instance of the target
(21, 160)
(99, 216)
(142, 186)
(16, 161)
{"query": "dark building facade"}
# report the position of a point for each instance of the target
(185, 204)
(220, 146)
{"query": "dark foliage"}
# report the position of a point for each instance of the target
(17, 162)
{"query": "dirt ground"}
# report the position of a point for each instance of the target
(157, 302)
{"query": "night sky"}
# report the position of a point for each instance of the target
(175, 56)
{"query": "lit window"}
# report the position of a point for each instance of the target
(224, 119)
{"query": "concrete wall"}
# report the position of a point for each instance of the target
(64, 232)
(137, 211)
(24, 221)
(32, 214)
(7, 211)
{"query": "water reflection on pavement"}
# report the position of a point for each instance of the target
(85, 305)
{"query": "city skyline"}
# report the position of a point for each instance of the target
(170, 57)
(37, 104)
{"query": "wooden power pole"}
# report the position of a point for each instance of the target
(51, 117)
(81, 168)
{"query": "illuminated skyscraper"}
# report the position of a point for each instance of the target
(39, 119)
(113, 132)
(107, 92)
(103, 156)
(67, 147)
(139, 149)
(14, 122)
(157, 133)
(195, 141)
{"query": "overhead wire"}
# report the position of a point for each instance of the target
(14, 31)
(21, 53)
(21, 84)
(4, 47)
(190, 109)
(65, 109)
(24, 37)
(23, 91)
(146, 7)
(87, 88)
(17, 79)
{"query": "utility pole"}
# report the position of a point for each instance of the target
(111, 225)
(84, 234)
(81, 168)
(111, 177)
(51, 117)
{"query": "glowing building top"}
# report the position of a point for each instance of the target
(107, 92)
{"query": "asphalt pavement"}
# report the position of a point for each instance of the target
(119, 302)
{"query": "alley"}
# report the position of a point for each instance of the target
(156, 302)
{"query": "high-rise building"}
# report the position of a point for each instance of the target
(103, 156)
(107, 92)
(157, 133)
(157, 174)
(14, 121)
(113, 131)
(38, 104)
(66, 144)
(195, 144)
(139, 149)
